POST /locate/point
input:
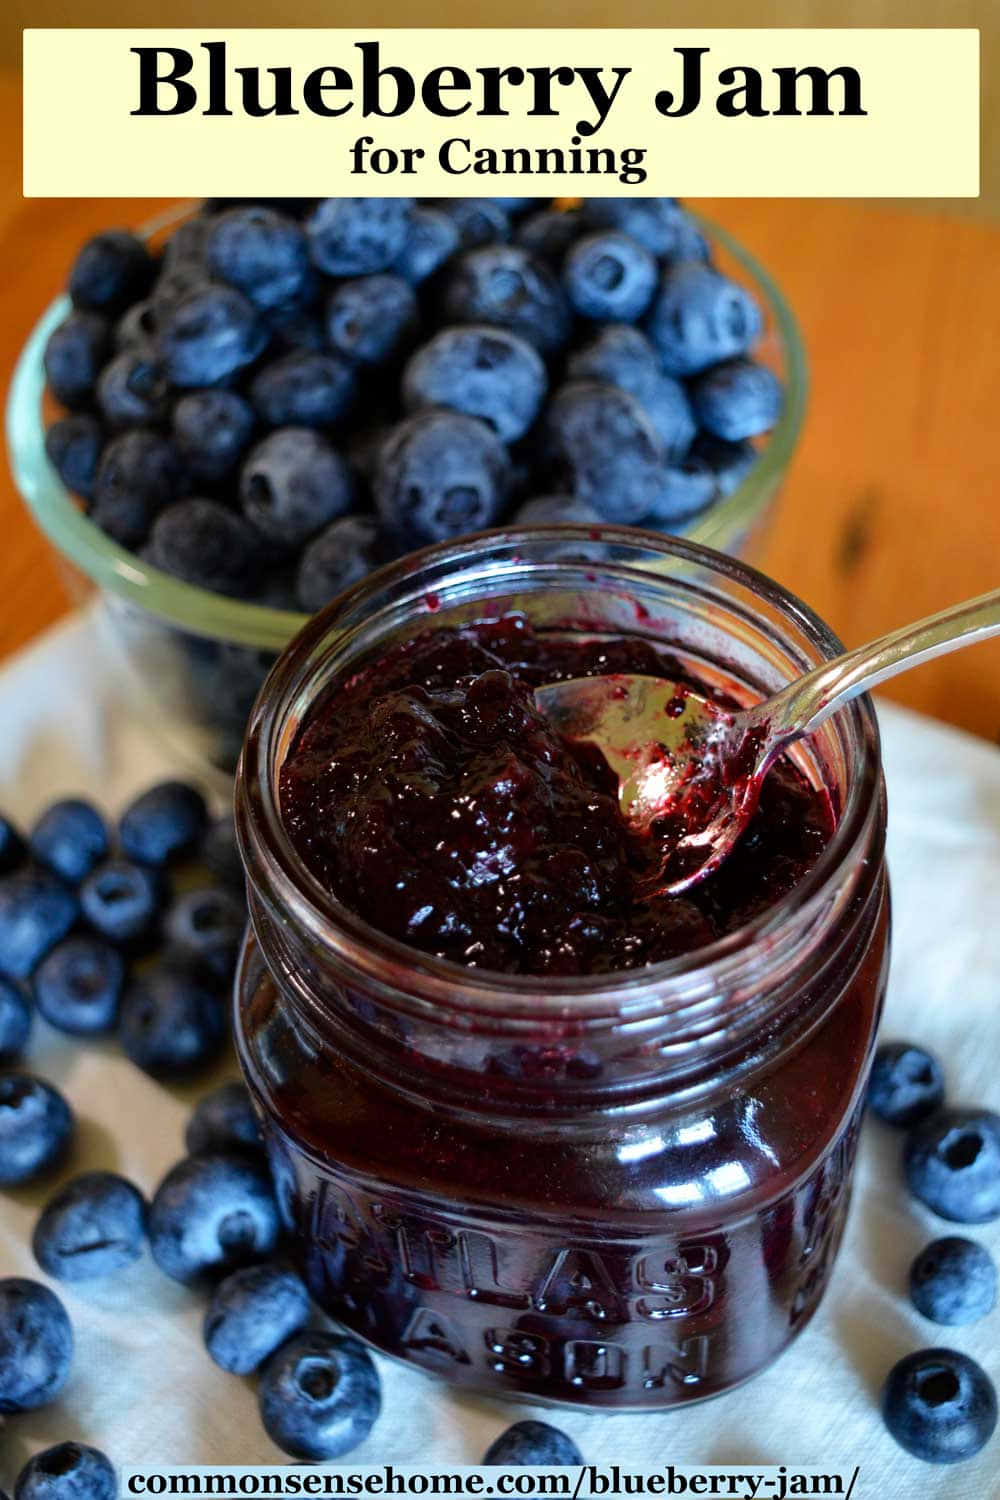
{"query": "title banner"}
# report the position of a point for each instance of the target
(307, 113)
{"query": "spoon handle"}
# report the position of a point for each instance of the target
(804, 704)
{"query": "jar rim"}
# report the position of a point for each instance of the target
(445, 983)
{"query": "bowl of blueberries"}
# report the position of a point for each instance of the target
(239, 411)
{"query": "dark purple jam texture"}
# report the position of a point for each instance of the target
(430, 797)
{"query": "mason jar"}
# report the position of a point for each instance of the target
(618, 1190)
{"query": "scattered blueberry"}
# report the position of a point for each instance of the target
(36, 1345)
(370, 320)
(736, 400)
(212, 430)
(205, 543)
(208, 924)
(432, 239)
(479, 221)
(69, 1471)
(121, 901)
(164, 822)
(261, 253)
(439, 474)
(304, 389)
(94, 1226)
(952, 1164)
(339, 556)
(73, 447)
(140, 473)
(609, 277)
(504, 284)
(131, 390)
(356, 236)
(251, 1314)
(685, 489)
(78, 986)
(208, 334)
(939, 1405)
(221, 853)
(36, 910)
(70, 838)
(533, 1445)
(729, 462)
(484, 372)
(223, 1120)
(319, 1395)
(13, 849)
(212, 1214)
(622, 356)
(906, 1084)
(700, 317)
(15, 1022)
(660, 224)
(36, 1126)
(74, 355)
(954, 1281)
(113, 270)
(173, 1021)
(549, 232)
(605, 450)
(293, 484)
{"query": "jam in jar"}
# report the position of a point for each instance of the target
(532, 1133)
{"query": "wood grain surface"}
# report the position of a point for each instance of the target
(892, 504)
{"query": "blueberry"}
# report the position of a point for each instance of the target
(121, 901)
(603, 445)
(549, 232)
(729, 462)
(136, 327)
(73, 447)
(173, 1022)
(685, 488)
(439, 474)
(207, 335)
(432, 239)
(622, 356)
(94, 1226)
(205, 543)
(370, 320)
(952, 1163)
(737, 400)
(13, 849)
(505, 285)
(208, 924)
(700, 317)
(36, 1126)
(174, 283)
(69, 1471)
(139, 474)
(221, 853)
(355, 236)
(251, 1314)
(484, 372)
(479, 221)
(906, 1084)
(339, 556)
(533, 1445)
(223, 1120)
(164, 822)
(78, 986)
(939, 1405)
(660, 224)
(261, 253)
(212, 431)
(319, 1395)
(293, 484)
(112, 270)
(211, 1214)
(131, 390)
(304, 389)
(954, 1281)
(36, 1345)
(555, 510)
(609, 277)
(74, 354)
(36, 910)
(15, 1022)
(70, 838)
(516, 206)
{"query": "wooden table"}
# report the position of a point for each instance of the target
(892, 505)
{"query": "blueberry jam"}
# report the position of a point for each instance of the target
(431, 796)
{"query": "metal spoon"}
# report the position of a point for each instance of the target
(693, 771)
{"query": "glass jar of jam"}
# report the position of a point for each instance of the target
(614, 1187)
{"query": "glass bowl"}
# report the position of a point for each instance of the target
(193, 660)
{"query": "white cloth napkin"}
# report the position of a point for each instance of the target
(142, 1386)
